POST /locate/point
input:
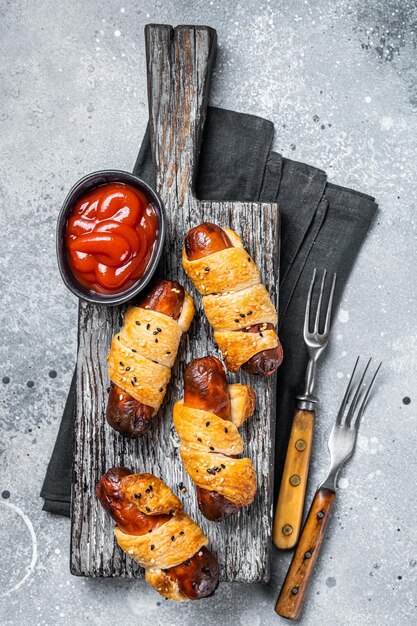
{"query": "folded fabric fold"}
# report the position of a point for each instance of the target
(322, 225)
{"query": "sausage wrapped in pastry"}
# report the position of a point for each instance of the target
(207, 421)
(142, 354)
(237, 305)
(152, 529)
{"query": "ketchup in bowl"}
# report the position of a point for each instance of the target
(110, 236)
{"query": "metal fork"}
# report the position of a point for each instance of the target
(290, 505)
(341, 446)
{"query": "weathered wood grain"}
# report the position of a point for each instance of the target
(178, 65)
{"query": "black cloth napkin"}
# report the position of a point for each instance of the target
(323, 226)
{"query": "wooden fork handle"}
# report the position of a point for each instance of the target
(290, 505)
(294, 589)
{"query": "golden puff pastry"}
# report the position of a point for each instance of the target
(207, 421)
(237, 304)
(152, 529)
(142, 354)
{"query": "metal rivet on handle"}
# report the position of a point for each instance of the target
(295, 480)
(287, 529)
(300, 445)
(294, 591)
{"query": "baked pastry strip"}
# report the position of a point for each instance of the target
(237, 304)
(152, 529)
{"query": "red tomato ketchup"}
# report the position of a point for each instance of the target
(110, 237)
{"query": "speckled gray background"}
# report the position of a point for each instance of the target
(339, 80)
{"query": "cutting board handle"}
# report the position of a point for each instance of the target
(179, 64)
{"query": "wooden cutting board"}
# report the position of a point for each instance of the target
(179, 64)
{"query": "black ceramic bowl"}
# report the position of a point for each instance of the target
(86, 184)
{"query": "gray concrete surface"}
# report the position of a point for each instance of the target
(339, 80)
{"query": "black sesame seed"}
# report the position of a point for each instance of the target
(181, 487)
(148, 509)
(159, 330)
(150, 530)
(172, 537)
(260, 334)
(156, 340)
(181, 532)
(187, 562)
(138, 495)
(135, 379)
(155, 332)
(199, 439)
(241, 314)
(237, 321)
(132, 382)
(211, 448)
(147, 326)
(161, 389)
(128, 368)
(118, 337)
(207, 424)
(249, 313)
(133, 350)
(206, 269)
(121, 363)
(223, 466)
(168, 352)
(152, 547)
(137, 323)
(249, 258)
(226, 430)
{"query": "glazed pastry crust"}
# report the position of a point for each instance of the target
(143, 352)
(236, 309)
(239, 347)
(234, 298)
(141, 336)
(230, 269)
(242, 403)
(165, 585)
(187, 313)
(150, 494)
(150, 377)
(219, 436)
(167, 546)
(236, 481)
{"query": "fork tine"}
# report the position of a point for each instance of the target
(355, 399)
(365, 399)
(308, 305)
(317, 321)
(329, 307)
(344, 402)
